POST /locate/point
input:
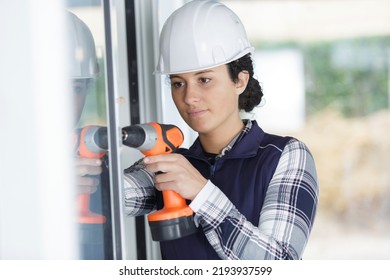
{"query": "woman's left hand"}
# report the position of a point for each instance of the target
(175, 172)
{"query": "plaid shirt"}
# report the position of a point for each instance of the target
(284, 226)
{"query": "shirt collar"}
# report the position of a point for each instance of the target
(237, 138)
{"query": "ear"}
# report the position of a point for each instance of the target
(242, 82)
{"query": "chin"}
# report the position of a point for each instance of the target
(200, 125)
(201, 129)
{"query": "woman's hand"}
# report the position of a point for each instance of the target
(86, 171)
(175, 172)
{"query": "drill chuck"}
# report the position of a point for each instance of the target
(142, 137)
(96, 139)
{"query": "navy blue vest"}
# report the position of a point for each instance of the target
(243, 174)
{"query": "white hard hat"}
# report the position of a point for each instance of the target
(200, 35)
(83, 61)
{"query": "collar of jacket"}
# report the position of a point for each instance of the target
(247, 147)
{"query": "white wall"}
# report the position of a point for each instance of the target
(36, 200)
(281, 76)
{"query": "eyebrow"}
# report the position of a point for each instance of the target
(196, 74)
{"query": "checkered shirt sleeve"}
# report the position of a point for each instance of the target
(285, 220)
(139, 191)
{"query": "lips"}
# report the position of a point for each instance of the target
(196, 113)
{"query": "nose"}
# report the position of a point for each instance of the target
(192, 93)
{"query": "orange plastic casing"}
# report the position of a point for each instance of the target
(85, 215)
(169, 138)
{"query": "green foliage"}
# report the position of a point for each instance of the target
(350, 75)
(95, 111)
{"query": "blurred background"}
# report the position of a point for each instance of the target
(324, 66)
(325, 70)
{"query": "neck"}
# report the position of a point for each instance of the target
(214, 142)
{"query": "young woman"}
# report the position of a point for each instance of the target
(254, 194)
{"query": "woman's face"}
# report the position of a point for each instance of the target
(207, 100)
(80, 90)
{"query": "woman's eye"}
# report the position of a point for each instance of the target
(80, 87)
(177, 84)
(204, 80)
(77, 89)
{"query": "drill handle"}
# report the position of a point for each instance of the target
(91, 142)
(173, 200)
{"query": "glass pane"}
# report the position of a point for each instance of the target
(86, 46)
(324, 67)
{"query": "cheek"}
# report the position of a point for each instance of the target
(175, 99)
(225, 96)
(79, 102)
(178, 101)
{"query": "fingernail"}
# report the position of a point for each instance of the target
(146, 160)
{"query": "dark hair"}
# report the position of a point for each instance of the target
(251, 97)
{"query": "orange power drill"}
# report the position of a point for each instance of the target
(175, 220)
(90, 142)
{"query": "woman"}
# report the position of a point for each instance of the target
(254, 195)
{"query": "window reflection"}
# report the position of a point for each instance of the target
(91, 161)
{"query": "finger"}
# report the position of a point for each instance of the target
(87, 182)
(161, 158)
(87, 185)
(164, 186)
(88, 161)
(164, 178)
(162, 167)
(83, 170)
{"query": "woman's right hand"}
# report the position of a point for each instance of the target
(87, 171)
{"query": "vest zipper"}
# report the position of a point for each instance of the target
(212, 168)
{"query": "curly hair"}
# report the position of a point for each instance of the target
(251, 97)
